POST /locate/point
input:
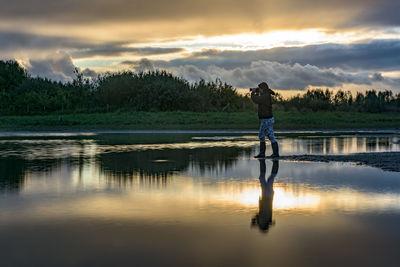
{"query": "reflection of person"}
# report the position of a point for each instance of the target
(264, 217)
(262, 96)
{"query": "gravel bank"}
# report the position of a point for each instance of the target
(388, 161)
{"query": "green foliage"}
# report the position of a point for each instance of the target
(21, 94)
(200, 120)
(11, 75)
(37, 95)
(218, 96)
(319, 100)
(161, 91)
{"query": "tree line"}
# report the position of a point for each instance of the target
(22, 94)
(326, 100)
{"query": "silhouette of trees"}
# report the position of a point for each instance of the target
(21, 94)
(11, 75)
(319, 100)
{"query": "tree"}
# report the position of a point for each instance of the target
(11, 75)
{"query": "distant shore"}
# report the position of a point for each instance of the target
(200, 121)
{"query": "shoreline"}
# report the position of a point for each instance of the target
(5, 133)
(195, 121)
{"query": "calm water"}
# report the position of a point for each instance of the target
(194, 200)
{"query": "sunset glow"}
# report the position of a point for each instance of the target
(239, 42)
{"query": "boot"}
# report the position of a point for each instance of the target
(275, 167)
(275, 150)
(262, 151)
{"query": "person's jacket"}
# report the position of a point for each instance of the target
(264, 102)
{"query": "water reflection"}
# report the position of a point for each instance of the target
(132, 197)
(155, 158)
(343, 144)
(12, 172)
(166, 162)
(265, 204)
(61, 147)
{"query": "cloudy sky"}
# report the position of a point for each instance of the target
(291, 44)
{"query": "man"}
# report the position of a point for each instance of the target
(262, 97)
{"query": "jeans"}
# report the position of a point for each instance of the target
(267, 130)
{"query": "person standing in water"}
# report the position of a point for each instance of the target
(262, 97)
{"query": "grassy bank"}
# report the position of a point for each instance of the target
(193, 120)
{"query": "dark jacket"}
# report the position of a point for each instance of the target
(264, 102)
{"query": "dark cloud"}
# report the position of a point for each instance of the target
(278, 75)
(13, 42)
(120, 50)
(377, 77)
(89, 73)
(379, 55)
(140, 65)
(255, 14)
(384, 13)
(58, 67)
(144, 65)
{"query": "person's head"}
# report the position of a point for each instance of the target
(265, 88)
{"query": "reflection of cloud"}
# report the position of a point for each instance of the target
(181, 194)
(284, 199)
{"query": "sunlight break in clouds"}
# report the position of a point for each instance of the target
(230, 36)
(256, 41)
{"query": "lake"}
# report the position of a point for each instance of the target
(195, 199)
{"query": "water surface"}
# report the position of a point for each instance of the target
(195, 199)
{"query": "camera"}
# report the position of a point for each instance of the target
(255, 89)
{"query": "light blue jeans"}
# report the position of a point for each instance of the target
(267, 130)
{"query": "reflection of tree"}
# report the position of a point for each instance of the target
(340, 144)
(384, 143)
(148, 163)
(264, 217)
(12, 171)
(327, 145)
(217, 158)
(371, 143)
(150, 166)
(162, 163)
(148, 138)
(315, 146)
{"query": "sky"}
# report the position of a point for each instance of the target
(290, 44)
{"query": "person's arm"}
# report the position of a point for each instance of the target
(268, 99)
(258, 99)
